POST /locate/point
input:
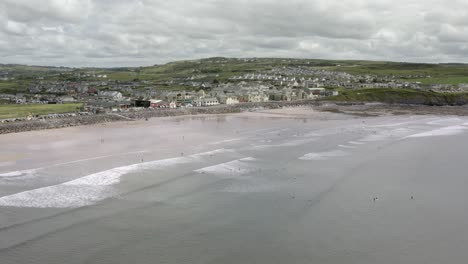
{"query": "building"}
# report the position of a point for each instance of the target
(111, 94)
(154, 103)
(257, 97)
(66, 99)
(314, 93)
(210, 101)
(142, 103)
(317, 91)
(229, 100)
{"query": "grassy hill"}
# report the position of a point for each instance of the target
(14, 86)
(222, 69)
(215, 68)
(439, 73)
(16, 110)
(402, 96)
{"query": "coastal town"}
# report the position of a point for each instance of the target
(202, 83)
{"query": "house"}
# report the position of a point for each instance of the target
(154, 103)
(232, 100)
(210, 101)
(66, 99)
(314, 93)
(201, 94)
(142, 103)
(125, 105)
(257, 98)
(229, 100)
(111, 94)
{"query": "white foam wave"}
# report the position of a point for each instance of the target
(292, 143)
(444, 131)
(211, 153)
(112, 176)
(297, 142)
(387, 134)
(33, 172)
(346, 146)
(323, 155)
(444, 121)
(356, 143)
(248, 159)
(58, 196)
(226, 141)
(91, 188)
(392, 124)
(82, 191)
(235, 167)
(20, 173)
(277, 131)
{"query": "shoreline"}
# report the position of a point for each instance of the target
(362, 109)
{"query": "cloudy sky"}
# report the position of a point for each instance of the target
(145, 32)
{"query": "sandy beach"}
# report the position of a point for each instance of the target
(272, 186)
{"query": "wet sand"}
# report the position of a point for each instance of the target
(272, 186)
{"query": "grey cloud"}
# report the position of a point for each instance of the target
(47, 10)
(145, 32)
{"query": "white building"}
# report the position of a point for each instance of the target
(258, 97)
(111, 94)
(206, 102)
(229, 100)
(66, 99)
(232, 100)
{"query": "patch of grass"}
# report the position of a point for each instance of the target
(402, 96)
(441, 80)
(16, 110)
(439, 73)
(13, 86)
(122, 76)
(222, 69)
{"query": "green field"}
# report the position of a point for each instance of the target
(401, 96)
(222, 69)
(13, 86)
(454, 80)
(439, 73)
(16, 110)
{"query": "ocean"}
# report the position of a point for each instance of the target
(273, 186)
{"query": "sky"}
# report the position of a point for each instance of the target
(109, 33)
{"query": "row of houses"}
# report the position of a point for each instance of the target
(201, 99)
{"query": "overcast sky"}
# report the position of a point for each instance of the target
(146, 32)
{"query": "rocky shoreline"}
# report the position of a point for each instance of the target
(352, 108)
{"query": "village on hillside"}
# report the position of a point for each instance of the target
(100, 92)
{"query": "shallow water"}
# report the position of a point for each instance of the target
(271, 187)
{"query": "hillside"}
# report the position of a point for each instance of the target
(402, 96)
(396, 81)
(224, 68)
